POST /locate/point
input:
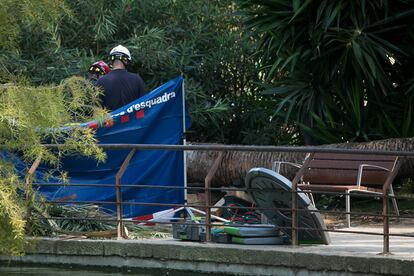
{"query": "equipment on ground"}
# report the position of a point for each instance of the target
(243, 231)
(270, 191)
(265, 234)
(189, 232)
(259, 234)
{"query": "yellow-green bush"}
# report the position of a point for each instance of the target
(30, 116)
(11, 213)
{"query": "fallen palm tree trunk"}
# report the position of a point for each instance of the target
(235, 164)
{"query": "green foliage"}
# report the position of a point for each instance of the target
(29, 117)
(202, 39)
(44, 42)
(25, 112)
(407, 186)
(97, 220)
(103, 221)
(339, 68)
(32, 115)
(27, 31)
(12, 223)
(16, 15)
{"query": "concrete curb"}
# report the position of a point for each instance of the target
(218, 258)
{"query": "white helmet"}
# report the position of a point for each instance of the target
(120, 52)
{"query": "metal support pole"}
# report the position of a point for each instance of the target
(186, 209)
(348, 208)
(295, 239)
(184, 142)
(386, 218)
(120, 226)
(299, 175)
(386, 225)
(207, 185)
(29, 193)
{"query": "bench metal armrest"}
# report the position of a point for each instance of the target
(361, 168)
(276, 165)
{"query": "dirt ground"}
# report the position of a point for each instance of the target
(338, 222)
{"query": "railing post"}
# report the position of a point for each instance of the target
(207, 186)
(348, 208)
(295, 207)
(120, 226)
(386, 219)
(295, 239)
(29, 193)
(386, 225)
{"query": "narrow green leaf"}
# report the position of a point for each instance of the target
(288, 60)
(300, 10)
(277, 90)
(332, 16)
(363, 6)
(295, 5)
(274, 67)
(387, 20)
(373, 67)
(321, 10)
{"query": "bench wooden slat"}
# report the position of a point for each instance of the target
(321, 187)
(354, 157)
(350, 177)
(349, 164)
(375, 186)
(312, 187)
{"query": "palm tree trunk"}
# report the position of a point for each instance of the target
(235, 165)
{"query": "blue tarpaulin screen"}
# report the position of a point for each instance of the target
(155, 118)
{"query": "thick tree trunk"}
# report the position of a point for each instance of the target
(235, 165)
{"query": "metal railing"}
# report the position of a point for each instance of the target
(207, 189)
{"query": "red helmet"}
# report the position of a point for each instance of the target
(99, 67)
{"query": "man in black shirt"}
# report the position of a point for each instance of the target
(120, 87)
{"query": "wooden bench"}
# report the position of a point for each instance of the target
(344, 172)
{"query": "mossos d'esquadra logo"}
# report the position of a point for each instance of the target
(147, 104)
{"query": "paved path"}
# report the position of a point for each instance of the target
(348, 254)
(344, 243)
